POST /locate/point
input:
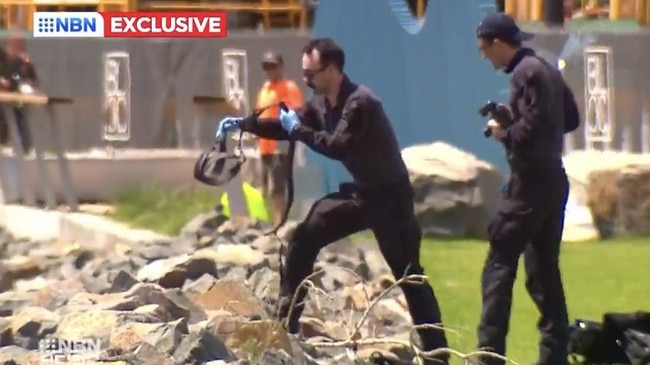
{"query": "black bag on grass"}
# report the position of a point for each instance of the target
(621, 338)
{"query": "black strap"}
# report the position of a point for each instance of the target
(290, 188)
(210, 168)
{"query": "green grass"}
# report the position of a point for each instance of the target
(162, 210)
(598, 278)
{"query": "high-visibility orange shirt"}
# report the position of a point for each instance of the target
(273, 93)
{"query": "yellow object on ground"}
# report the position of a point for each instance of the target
(254, 202)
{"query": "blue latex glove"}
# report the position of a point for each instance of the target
(226, 125)
(289, 120)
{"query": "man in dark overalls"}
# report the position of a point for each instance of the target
(531, 216)
(346, 122)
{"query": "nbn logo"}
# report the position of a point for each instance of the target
(75, 25)
(66, 24)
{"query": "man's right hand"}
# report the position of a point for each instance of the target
(227, 124)
(4, 83)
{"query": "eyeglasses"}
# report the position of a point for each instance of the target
(309, 74)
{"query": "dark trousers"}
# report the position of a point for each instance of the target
(389, 214)
(530, 221)
(21, 122)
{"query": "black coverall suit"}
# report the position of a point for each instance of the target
(530, 219)
(357, 132)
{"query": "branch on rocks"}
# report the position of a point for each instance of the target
(351, 344)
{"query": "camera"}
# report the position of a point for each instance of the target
(495, 111)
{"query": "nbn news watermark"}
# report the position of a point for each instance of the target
(53, 351)
(68, 24)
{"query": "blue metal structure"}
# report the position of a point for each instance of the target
(428, 72)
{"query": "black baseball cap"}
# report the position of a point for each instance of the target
(272, 58)
(501, 26)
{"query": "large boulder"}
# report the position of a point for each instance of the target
(612, 186)
(580, 164)
(634, 201)
(602, 200)
(455, 192)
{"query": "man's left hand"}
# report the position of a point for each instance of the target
(289, 120)
(498, 133)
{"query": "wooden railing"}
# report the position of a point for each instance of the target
(291, 13)
(638, 10)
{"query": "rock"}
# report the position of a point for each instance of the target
(164, 250)
(199, 347)
(264, 282)
(6, 280)
(389, 312)
(130, 335)
(267, 244)
(123, 281)
(358, 296)
(171, 302)
(251, 337)
(11, 301)
(95, 324)
(203, 224)
(6, 334)
(455, 192)
(180, 301)
(231, 296)
(166, 338)
(30, 324)
(174, 271)
(275, 357)
(234, 254)
(22, 267)
(314, 327)
(13, 355)
(195, 312)
(633, 201)
(617, 200)
(146, 353)
(602, 200)
(200, 285)
(580, 165)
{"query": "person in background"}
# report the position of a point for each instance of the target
(274, 161)
(15, 68)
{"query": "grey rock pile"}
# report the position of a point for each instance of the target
(206, 297)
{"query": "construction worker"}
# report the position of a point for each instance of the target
(274, 162)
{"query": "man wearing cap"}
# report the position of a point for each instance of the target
(274, 162)
(530, 219)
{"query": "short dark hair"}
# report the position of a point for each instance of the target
(330, 52)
